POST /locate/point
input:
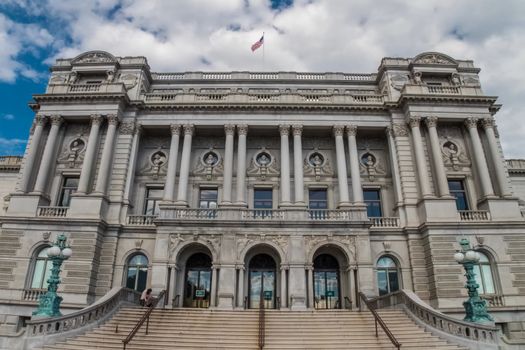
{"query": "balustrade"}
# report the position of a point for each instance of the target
(474, 215)
(384, 222)
(33, 294)
(141, 220)
(56, 212)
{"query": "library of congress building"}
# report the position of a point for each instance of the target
(302, 189)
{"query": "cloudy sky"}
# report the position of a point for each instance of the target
(300, 35)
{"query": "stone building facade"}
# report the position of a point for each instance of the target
(298, 188)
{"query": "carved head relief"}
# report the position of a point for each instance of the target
(450, 148)
(77, 145)
(210, 159)
(316, 159)
(263, 159)
(368, 159)
(158, 159)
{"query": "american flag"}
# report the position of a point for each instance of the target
(258, 43)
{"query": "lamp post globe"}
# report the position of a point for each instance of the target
(475, 307)
(49, 303)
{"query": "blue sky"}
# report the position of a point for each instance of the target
(300, 35)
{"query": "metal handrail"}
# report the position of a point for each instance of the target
(245, 303)
(348, 302)
(144, 318)
(278, 300)
(175, 302)
(262, 325)
(379, 320)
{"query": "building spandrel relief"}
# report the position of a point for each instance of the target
(453, 148)
(317, 164)
(209, 165)
(263, 165)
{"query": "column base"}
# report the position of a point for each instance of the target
(241, 204)
(225, 301)
(180, 204)
(501, 208)
(26, 204)
(298, 303)
(344, 205)
(438, 210)
(92, 206)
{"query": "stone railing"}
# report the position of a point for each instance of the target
(474, 215)
(86, 88)
(384, 222)
(413, 89)
(494, 300)
(277, 215)
(48, 330)
(516, 165)
(265, 76)
(54, 212)
(33, 294)
(141, 220)
(10, 162)
(250, 98)
(466, 333)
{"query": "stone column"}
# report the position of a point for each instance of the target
(350, 286)
(169, 186)
(240, 288)
(355, 174)
(228, 164)
(107, 155)
(439, 167)
(488, 125)
(298, 164)
(479, 156)
(310, 270)
(424, 180)
(283, 287)
(341, 166)
(132, 161)
(90, 156)
(285, 165)
(394, 165)
(213, 296)
(40, 121)
(48, 155)
(241, 164)
(185, 165)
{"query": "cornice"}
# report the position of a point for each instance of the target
(40, 98)
(488, 100)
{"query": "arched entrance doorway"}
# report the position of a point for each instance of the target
(262, 281)
(197, 281)
(327, 290)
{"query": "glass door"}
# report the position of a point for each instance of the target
(262, 286)
(326, 282)
(197, 287)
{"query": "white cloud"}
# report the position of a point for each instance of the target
(311, 35)
(12, 146)
(8, 116)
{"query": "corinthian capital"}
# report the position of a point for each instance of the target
(431, 122)
(414, 121)
(229, 129)
(56, 120)
(113, 119)
(188, 129)
(338, 130)
(40, 119)
(96, 119)
(297, 129)
(351, 130)
(471, 122)
(284, 129)
(242, 129)
(175, 129)
(487, 123)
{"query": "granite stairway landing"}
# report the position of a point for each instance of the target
(216, 329)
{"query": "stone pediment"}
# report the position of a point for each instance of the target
(434, 58)
(94, 57)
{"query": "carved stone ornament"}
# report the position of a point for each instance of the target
(129, 80)
(316, 241)
(487, 123)
(338, 130)
(94, 57)
(263, 164)
(210, 164)
(431, 122)
(397, 81)
(229, 129)
(245, 240)
(371, 166)
(433, 58)
(399, 130)
(155, 165)
(414, 121)
(453, 155)
(470, 80)
(75, 148)
(455, 79)
(138, 243)
(173, 243)
(176, 239)
(471, 122)
(242, 129)
(417, 78)
(317, 164)
(46, 235)
(127, 128)
(58, 79)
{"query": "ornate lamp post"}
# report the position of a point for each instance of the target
(49, 303)
(475, 307)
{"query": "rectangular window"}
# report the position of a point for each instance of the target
(69, 186)
(262, 198)
(373, 202)
(457, 189)
(153, 197)
(317, 203)
(208, 198)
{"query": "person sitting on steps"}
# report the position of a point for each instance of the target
(146, 299)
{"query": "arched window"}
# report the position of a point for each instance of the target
(484, 275)
(137, 272)
(387, 275)
(41, 269)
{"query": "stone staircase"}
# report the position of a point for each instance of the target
(217, 329)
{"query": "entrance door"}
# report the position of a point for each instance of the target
(262, 282)
(197, 285)
(326, 282)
